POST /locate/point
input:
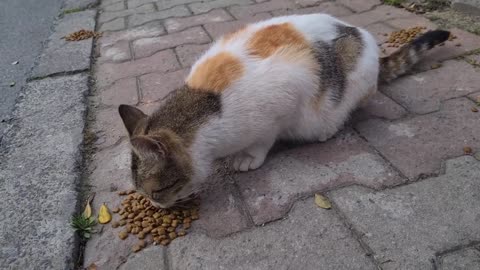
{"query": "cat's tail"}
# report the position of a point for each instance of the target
(399, 62)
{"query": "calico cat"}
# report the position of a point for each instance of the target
(295, 77)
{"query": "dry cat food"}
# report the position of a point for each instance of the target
(398, 38)
(139, 217)
(81, 35)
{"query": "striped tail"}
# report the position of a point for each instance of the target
(399, 62)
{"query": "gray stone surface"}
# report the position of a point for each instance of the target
(467, 6)
(290, 174)
(465, 259)
(64, 56)
(155, 260)
(309, 238)
(79, 4)
(406, 226)
(39, 175)
(417, 146)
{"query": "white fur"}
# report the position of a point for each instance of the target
(272, 100)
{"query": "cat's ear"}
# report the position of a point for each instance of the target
(131, 116)
(147, 148)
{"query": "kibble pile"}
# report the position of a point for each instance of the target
(81, 35)
(398, 38)
(142, 219)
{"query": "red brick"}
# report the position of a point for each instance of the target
(203, 7)
(379, 106)
(360, 6)
(148, 30)
(117, 52)
(424, 92)
(467, 41)
(304, 3)
(163, 61)
(178, 24)
(221, 211)
(331, 8)
(114, 25)
(110, 15)
(380, 31)
(123, 91)
(156, 86)
(147, 46)
(418, 146)
(188, 54)
(303, 170)
(216, 30)
(248, 11)
(141, 18)
(379, 14)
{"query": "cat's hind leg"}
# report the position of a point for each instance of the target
(253, 156)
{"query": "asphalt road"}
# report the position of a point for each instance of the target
(24, 25)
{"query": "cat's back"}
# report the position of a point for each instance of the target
(269, 52)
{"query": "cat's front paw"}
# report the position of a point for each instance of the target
(244, 162)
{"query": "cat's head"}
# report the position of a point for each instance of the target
(161, 166)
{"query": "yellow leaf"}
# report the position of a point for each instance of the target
(322, 201)
(87, 213)
(104, 215)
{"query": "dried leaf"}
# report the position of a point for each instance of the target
(322, 201)
(15, 63)
(92, 267)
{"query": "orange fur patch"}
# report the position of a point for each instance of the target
(268, 40)
(216, 73)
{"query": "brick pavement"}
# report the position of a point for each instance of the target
(405, 195)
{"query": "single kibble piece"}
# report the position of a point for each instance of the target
(136, 248)
(116, 210)
(141, 235)
(123, 235)
(181, 233)
(172, 235)
(467, 150)
(165, 242)
(122, 222)
(115, 224)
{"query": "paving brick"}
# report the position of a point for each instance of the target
(156, 86)
(114, 25)
(331, 8)
(110, 15)
(287, 175)
(105, 3)
(147, 46)
(118, 52)
(248, 11)
(123, 91)
(155, 261)
(138, 19)
(203, 7)
(303, 3)
(136, 3)
(216, 30)
(108, 128)
(360, 6)
(467, 41)
(379, 106)
(379, 14)
(188, 54)
(114, 7)
(423, 92)
(380, 31)
(178, 24)
(417, 146)
(163, 61)
(407, 225)
(110, 168)
(106, 250)
(221, 211)
(310, 238)
(147, 30)
(468, 258)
